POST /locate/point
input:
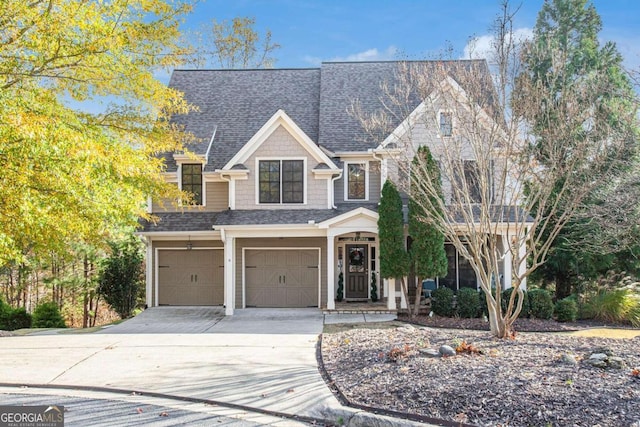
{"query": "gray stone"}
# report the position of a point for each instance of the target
(429, 352)
(597, 363)
(616, 362)
(568, 359)
(447, 350)
(605, 350)
(407, 329)
(599, 356)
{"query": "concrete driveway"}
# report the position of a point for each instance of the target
(260, 358)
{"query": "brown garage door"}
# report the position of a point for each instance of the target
(281, 278)
(194, 277)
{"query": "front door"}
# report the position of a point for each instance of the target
(357, 272)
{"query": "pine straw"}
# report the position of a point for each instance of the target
(512, 383)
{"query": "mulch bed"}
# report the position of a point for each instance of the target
(521, 382)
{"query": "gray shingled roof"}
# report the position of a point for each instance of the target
(204, 221)
(240, 102)
(179, 221)
(343, 83)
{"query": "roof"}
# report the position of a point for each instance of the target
(237, 103)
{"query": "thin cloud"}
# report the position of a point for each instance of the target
(373, 54)
(483, 47)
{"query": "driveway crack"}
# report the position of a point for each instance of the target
(110, 346)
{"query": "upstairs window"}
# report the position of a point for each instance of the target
(192, 181)
(446, 123)
(472, 181)
(281, 181)
(356, 181)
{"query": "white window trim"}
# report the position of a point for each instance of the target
(280, 158)
(364, 163)
(204, 185)
(453, 123)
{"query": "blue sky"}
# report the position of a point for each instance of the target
(311, 31)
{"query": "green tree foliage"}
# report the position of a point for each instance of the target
(237, 44)
(566, 59)
(47, 315)
(427, 251)
(394, 259)
(122, 276)
(69, 174)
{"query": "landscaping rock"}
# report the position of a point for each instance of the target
(447, 350)
(604, 359)
(616, 362)
(407, 329)
(429, 352)
(568, 359)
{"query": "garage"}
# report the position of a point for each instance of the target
(191, 277)
(282, 277)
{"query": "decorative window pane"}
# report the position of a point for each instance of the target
(281, 181)
(192, 181)
(356, 182)
(269, 181)
(292, 181)
(446, 124)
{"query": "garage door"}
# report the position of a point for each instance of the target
(194, 277)
(281, 278)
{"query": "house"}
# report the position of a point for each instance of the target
(288, 187)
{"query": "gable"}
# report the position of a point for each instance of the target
(280, 127)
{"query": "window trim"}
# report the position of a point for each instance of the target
(203, 183)
(281, 159)
(440, 133)
(365, 164)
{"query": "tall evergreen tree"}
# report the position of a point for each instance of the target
(394, 259)
(565, 53)
(427, 252)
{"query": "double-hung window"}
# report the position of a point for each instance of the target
(281, 181)
(356, 181)
(192, 181)
(446, 123)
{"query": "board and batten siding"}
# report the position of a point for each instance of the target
(217, 200)
(288, 243)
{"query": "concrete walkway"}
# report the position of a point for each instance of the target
(259, 358)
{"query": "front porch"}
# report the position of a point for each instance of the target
(345, 307)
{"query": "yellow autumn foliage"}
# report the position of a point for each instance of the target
(67, 174)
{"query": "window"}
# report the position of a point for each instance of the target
(446, 124)
(356, 181)
(281, 181)
(472, 181)
(192, 181)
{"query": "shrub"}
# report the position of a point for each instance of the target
(482, 297)
(566, 310)
(613, 306)
(541, 304)
(12, 319)
(468, 303)
(442, 302)
(526, 305)
(47, 315)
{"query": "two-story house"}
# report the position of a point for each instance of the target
(288, 187)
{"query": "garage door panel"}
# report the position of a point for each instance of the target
(194, 277)
(281, 278)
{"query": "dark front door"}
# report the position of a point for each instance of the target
(357, 272)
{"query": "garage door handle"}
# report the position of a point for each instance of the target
(312, 266)
(284, 279)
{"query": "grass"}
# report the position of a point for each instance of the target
(606, 333)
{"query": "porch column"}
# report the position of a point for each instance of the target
(331, 274)
(507, 261)
(149, 273)
(403, 301)
(229, 272)
(390, 288)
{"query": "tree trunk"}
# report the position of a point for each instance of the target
(403, 286)
(416, 307)
(563, 286)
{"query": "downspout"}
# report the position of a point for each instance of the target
(333, 190)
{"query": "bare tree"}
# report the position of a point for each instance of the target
(478, 126)
(237, 44)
